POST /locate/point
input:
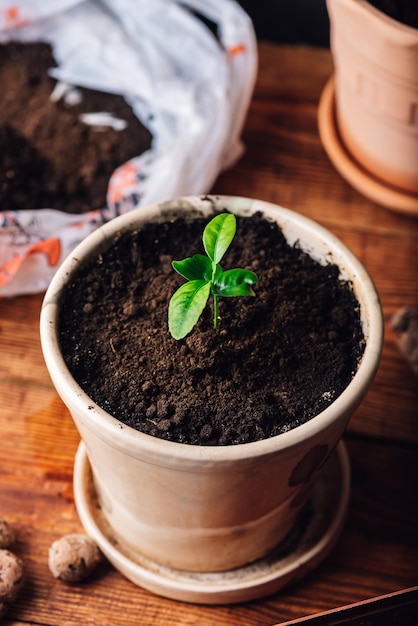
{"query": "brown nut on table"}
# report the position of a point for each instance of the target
(73, 557)
(7, 536)
(11, 579)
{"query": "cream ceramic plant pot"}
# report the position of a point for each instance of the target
(376, 90)
(208, 508)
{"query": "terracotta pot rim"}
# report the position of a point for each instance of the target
(389, 24)
(130, 440)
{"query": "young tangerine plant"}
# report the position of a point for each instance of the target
(205, 276)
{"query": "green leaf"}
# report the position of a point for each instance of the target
(218, 235)
(197, 267)
(186, 306)
(205, 276)
(236, 282)
(217, 272)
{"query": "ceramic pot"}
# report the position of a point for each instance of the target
(376, 90)
(208, 508)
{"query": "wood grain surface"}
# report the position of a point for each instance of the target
(284, 163)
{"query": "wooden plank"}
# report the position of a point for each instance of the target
(377, 553)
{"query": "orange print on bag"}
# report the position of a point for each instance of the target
(11, 18)
(124, 178)
(237, 49)
(50, 247)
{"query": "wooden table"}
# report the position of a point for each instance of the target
(378, 551)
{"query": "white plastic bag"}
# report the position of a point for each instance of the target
(189, 89)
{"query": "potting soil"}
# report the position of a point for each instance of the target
(274, 362)
(49, 158)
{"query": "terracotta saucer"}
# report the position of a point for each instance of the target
(301, 552)
(373, 188)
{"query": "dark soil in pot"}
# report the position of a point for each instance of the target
(404, 11)
(274, 362)
(48, 157)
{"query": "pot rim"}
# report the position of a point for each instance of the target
(130, 440)
(389, 25)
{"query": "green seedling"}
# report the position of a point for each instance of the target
(205, 276)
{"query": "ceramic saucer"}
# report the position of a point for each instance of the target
(301, 552)
(362, 180)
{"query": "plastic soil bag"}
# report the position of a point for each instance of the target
(189, 88)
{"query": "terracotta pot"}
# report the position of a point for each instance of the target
(208, 508)
(376, 90)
